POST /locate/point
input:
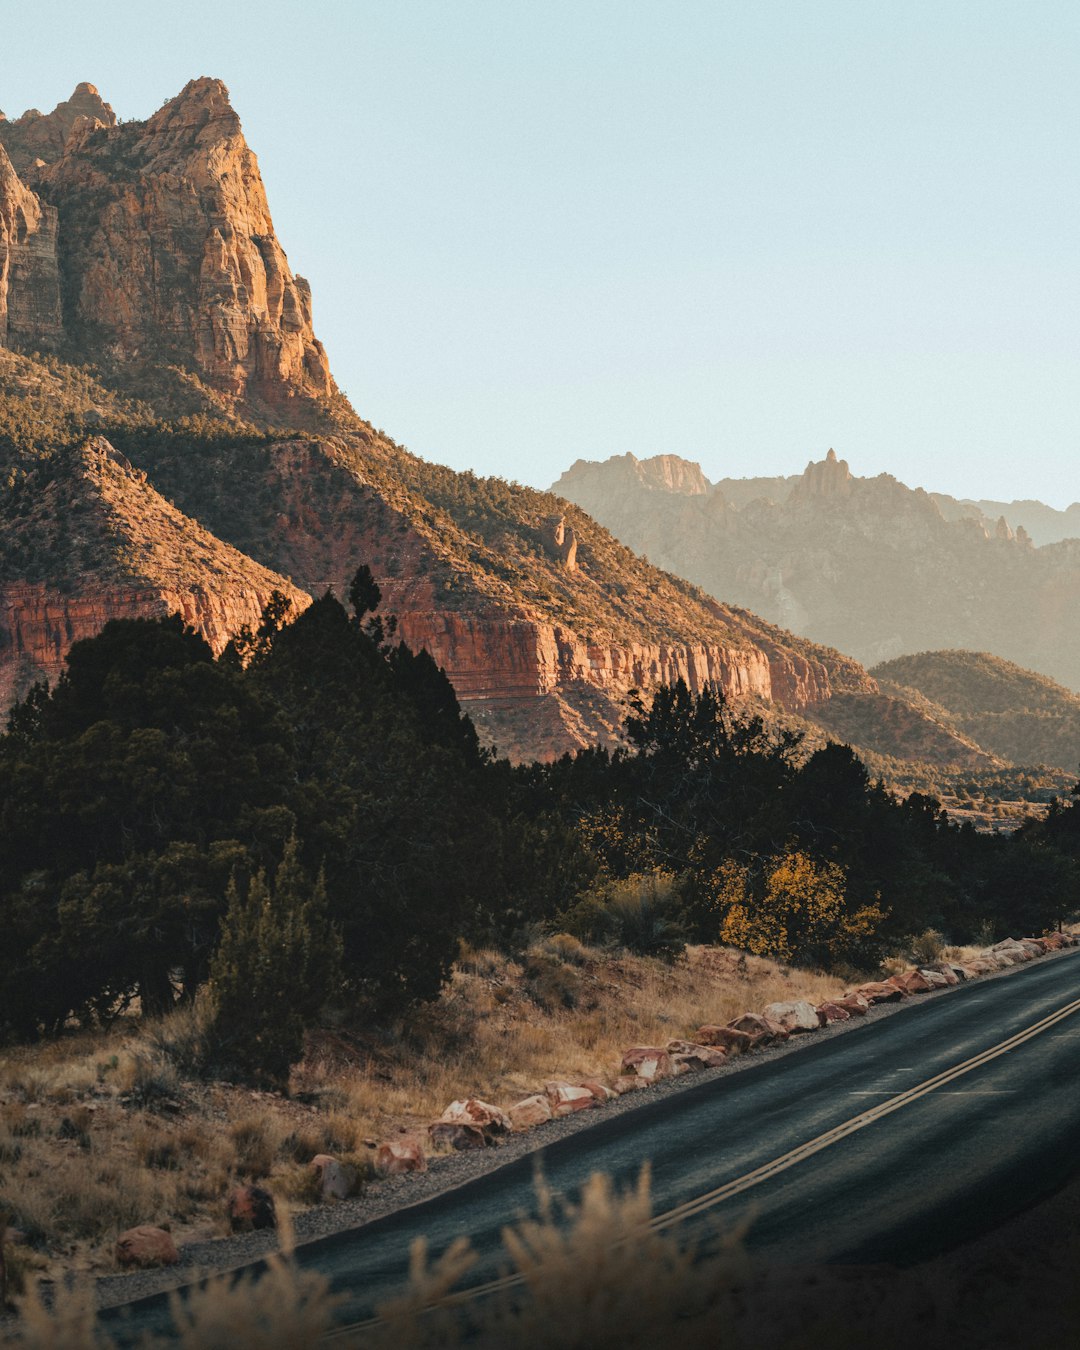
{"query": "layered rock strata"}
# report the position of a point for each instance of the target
(39, 624)
(122, 552)
(537, 686)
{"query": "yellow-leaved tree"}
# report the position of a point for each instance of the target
(794, 909)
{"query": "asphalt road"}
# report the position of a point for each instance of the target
(891, 1143)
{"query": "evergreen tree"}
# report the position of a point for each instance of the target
(276, 965)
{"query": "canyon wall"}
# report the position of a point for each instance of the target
(29, 271)
(38, 623)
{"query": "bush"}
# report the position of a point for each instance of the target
(551, 982)
(255, 1139)
(794, 909)
(642, 913)
(181, 1037)
(567, 948)
(927, 947)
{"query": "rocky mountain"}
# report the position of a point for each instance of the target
(38, 138)
(170, 437)
(1044, 524)
(165, 253)
(867, 565)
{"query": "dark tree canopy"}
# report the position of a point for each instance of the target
(169, 818)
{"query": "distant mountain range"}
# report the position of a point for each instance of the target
(866, 565)
(1043, 524)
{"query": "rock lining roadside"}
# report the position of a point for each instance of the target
(386, 1196)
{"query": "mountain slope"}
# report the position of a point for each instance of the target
(142, 257)
(863, 564)
(1023, 717)
(85, 538)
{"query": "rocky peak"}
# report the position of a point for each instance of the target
(828, 477)
(44, 136)
(202, 106)
(560, 541)
(671, 473)
(624, 476)
(101, 451)
(169, 253)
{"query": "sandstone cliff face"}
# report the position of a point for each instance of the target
(168, 250)
(38, 623)
(536, 686)
(29, 275)
(507, 669)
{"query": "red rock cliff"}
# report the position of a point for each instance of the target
(38, 624)
(105, 545)
(535, 685)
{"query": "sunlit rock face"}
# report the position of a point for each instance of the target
(29, 270)
(105, 545)
(147, 251)
(166, 248)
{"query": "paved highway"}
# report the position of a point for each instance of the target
(893, 1142)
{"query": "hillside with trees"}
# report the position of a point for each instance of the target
(314, 798)
(1017, 714)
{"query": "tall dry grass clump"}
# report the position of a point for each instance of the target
(586, 1274)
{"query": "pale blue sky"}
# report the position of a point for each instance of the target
(738, 231)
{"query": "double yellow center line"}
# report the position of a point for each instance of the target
(859, 1122)
(690, 1208)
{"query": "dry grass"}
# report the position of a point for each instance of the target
(100, 1132)
(502, 1028)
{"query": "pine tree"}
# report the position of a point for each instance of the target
(277, 963)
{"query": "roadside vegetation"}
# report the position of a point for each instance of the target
(594, 1276)
(101, 1130)
(293, 872)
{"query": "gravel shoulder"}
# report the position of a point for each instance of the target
(221, 1255)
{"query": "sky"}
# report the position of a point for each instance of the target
(742, 231)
